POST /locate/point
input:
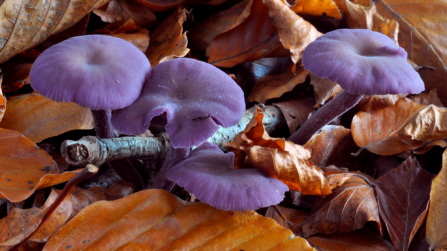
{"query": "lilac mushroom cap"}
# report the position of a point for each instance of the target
(195, 98)
(362, 62)
(95, 71)
(208, 174)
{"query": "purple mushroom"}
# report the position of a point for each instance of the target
(95, 71)
(208, 174)
(194, 97)
(362, 62)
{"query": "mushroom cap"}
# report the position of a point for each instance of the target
(362, 62)
(95, 71)
(195, 97)
(208, 174)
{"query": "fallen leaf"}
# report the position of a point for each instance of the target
(380, 130)
(203, 32)
(118, 12)
(437, 218)
(39, 118)
(17, 69)
(348, 208)
(324, 89)
(422, 33)
(159, 5)
(403, 195)
(168, 40)
(155, 219)
(25, 24)
(364, 239)
(296, 111)
(294, 32)
(25, 167)
(331, 143)
(382, 165)
(315, 8)
(275, 86)
(131, 33)
(287, 217)
(256, 37)
(281, 159)
(2, 102)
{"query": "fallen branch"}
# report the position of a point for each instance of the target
(91, 150)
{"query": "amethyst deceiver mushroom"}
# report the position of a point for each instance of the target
(362, 62)
(208, 174)
(194, 97)
(95, 71)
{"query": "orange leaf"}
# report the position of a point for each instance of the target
(25, 167)
(437, 218)
(2, 102)
(253, 39)
(348, 208)
(275, 86)
(155, 219)
(315, 7)
(39, 118)
(281, 159)
(294, 32)
(26, 24)
(296, 111)
(168, 40)
(324, 89)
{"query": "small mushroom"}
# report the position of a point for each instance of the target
(95, 71)
(194, 97)
(362, 62)
(208, 174)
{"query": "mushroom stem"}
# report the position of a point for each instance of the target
(103, 124)
(334, 108)
(175, 156)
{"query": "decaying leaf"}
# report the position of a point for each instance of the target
(294, 32)
(437, 218)
(364, 239)
(275, 86)
(39, 118)
(403, 126)
(203, 32)
(296, 111)
(287, 217)
(168, 40)
(316, 8)
(403, 195)
(281, 159)
(256, 37)
(25, 167)
(155, 219)
(2, 102)
(27, 23)
(325, 89)
(348, 208)
(159, 5)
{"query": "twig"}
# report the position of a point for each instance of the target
(96, 151)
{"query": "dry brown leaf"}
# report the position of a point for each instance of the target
(325, 89)
(422, 33)
(16, 70)
(2, 102)
(131, 33)
(203, 32)
(331, 143)
(294, 32)
(159, 5)
(296, 111)
(118, 12)
(287, 217)
(39, 118)
(17, 225)
(403, 195)
(281, 159)
(275, 86)
(437, 218)
(168, 40)
(256, 37)
(155, 219)
(27, 23)
(348, 208)
(364, 239)
(316, 7)
(382, 131)
(25, 167)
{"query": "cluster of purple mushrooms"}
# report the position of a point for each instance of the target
(194, 98)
